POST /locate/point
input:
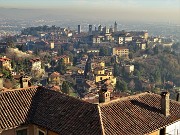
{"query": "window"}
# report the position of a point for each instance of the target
(21, 132)
(41, 132)
(162, 131)
(100, 78)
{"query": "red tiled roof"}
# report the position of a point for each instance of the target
(49, 109)
(35, 60)
(67, 115)
(55, 74)
(15, 107)
(139, 114)
(4, 59)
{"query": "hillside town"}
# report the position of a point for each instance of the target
(96, 72)
(86, 61)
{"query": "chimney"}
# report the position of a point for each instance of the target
(165, 103)
(178, 96)
(104, 95)
(1, 81)
(24, 81)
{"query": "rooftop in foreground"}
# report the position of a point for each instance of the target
(67, 115)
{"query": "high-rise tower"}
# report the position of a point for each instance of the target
(90, 29)
(79, 29)
(99, 28)
(115, 26)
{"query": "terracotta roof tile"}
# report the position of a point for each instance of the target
(49, 109)
(64, 112)
(128, 115)
(14, 107)
(55, 74)
(4, 59)
(67, 115)
(35, 60)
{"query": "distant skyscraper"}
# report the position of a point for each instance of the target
(105, 30)
(95, 28)
(115, 27)
(90, 29)
(111, 30)
(79, 29)
(99, 28)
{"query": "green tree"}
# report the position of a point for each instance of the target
(116, 70)
(113, 60)
(103, 51)
(65, 87)
(20, 47)
(131, 85)
(167, 49)
(124, 86)
(118, 86)
(61, 67)
(176, 47)
(74, 61)
(13, 63)
(121, 86)
(7, 74)
(151, 78)
(156, 90)
(60, 50)
(130, 55)
(10, 43)
(157, 76)
(36, 51)
(156, 50)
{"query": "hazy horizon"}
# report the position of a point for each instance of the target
(125, 10)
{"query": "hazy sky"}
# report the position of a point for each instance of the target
(149, 10)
